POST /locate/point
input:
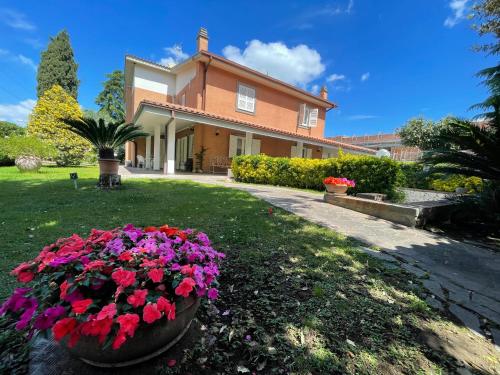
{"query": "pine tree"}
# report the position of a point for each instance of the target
(110, 99)
(58, 67)
(46, 123)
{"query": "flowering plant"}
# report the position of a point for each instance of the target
(106, 284)
(339, 181)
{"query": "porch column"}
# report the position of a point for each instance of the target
(156, 160)
(248, 143)
(300, 148)
(148, 152)
(170, 154)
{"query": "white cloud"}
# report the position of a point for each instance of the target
(361, 117)
(335, 77)
(7, 55)
(458, 8)
(175, 55)
(297, 65)
(16, 20)
(315, 89)
(350, 6)
(365, 76)
(17, 113)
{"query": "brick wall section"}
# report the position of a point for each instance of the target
(273, 108)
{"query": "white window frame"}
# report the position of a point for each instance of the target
(308, 116)
(244, 102)
(183, 99)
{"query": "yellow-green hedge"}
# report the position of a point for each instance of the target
(375, 175)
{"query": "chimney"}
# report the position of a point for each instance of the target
(202, 40)
(323, 93)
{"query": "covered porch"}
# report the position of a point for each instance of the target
(183, 139)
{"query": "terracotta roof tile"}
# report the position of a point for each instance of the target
(195, 111)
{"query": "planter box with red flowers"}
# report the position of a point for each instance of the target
(116, 297)
(338, 185)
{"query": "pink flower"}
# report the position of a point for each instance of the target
(185, 287)
(108, 311)
(123, 277)
(156, 275)
(151, 313)
(213, 293)
(138, 298)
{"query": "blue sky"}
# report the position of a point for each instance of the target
(382, 61)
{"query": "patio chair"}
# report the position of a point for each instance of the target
(141, 162)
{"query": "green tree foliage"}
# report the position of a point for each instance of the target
(110, 100)
(46, 123)
(424, 134)
(8, 129)
(58, 67)
(16, 146)
(106, 137)
(486, 13)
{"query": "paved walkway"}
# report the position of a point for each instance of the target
(463, 278)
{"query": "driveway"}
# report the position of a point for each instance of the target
(463, 278)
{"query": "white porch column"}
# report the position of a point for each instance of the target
(170, 155)
(148, 152)
(300, 148)
(248, 143)
(157, 143)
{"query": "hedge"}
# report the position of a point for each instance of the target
(372, 174)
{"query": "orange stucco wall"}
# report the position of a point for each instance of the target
(273, 108)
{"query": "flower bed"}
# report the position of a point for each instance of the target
(108, 284)
(339, 181)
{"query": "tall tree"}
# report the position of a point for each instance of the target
(58, 67)
(110, 99)
(486, 14)
(46, 123)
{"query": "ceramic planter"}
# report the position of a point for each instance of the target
(109, 166)
(149, 340)
(336, 189)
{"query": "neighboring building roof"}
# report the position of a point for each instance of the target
(210, 55)
(326, 142)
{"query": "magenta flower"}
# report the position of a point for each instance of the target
(47, 319)
(213, 293)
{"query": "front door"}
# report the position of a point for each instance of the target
(183, 151)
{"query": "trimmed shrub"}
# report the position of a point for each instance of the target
(375, 175)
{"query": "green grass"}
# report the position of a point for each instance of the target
(310, 302)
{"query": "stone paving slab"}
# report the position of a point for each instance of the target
(457, 273)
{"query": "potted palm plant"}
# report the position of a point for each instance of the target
(106, 138)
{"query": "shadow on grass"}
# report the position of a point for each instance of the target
(295, 297)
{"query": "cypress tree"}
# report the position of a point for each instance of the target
(58, 67)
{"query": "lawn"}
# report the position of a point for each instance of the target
(295, 297)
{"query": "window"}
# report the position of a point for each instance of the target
(245, 98)
(240, 146)
(237, 146)
(308, 116)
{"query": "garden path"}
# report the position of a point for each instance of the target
(463, 278)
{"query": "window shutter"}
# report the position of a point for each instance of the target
(250, 99)
(293, 152)
(313, 118)
(309, 153)
(232, 145)
(190, 146)
(302, 112)
(255, 146)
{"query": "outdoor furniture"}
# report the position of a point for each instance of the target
(220, 162)
(141, 162)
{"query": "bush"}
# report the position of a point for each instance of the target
(414, 176)
(16, 146)
(375, 175)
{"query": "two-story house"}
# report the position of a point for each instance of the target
(211, 104)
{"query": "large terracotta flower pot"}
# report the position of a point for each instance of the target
(149, 340)
(109, 166)
(336, 189)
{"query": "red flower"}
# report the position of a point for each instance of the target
(150, 229)
(151, 313)
(23, 273)
(187, 270)
(167, 307)
(171, 362)
(94, 265)
(156, 275)
(108, 311)
(123, 277)
(79, 307)
(149, 263)
(138, 298)
(100, 328)
(128, 323)
(119, 340)
(169, 231)
(126, 256)
(64, 289)
(63, 327)
(185, 287)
